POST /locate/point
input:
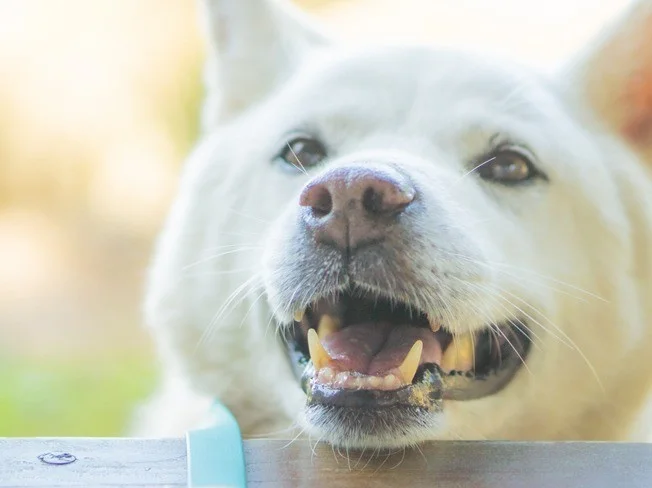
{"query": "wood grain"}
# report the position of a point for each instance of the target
(154, 463)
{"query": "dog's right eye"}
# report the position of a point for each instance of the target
(302, 152)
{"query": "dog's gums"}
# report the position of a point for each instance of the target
(360, 351)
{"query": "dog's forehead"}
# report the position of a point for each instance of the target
(418, 74)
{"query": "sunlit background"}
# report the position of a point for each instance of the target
(98, 106)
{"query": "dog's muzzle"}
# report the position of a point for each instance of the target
(363, 356)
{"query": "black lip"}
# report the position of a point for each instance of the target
(425, 394)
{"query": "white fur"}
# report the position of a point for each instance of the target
(574, 254)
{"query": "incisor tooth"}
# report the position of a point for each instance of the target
(326, 375)
(318, 354)
(411, 362)
(298, 315)
(327, 325)
(458, 355)
(391, 382)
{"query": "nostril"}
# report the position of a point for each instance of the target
(323, 205)
(372, 201)
(318, 198)
(386, 198)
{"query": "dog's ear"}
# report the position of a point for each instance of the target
(253, 45)
(614, 76)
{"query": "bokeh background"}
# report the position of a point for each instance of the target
(98, 106)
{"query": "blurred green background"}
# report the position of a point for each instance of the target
(98, 106)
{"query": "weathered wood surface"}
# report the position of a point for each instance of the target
(140, 462)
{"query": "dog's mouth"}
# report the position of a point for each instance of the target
(358, 350)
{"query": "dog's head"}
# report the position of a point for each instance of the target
(402, 243)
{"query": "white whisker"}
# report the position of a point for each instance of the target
(237, 212)
(475, 168)
(231, 299)
(300, 167)
(494, 266)
(225, 253)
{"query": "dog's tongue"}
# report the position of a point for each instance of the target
(376, 348)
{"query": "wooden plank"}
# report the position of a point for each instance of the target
(99, 462)
(148, 462)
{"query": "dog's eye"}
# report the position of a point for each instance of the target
(303, 152)
(508, 165)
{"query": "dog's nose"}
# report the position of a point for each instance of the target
(352, 206)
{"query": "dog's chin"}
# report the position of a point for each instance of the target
(376, 371)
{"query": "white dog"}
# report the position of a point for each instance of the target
(387, 245)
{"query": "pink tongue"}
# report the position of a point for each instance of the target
(375, 348)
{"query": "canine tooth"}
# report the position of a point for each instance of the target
(459, 354)
(327, 325)
(411, 362)
(298, 315)
(318, 354)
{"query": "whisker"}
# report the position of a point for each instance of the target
(237, 212)
(241, 234)
(373, 455)
(520, 357)
(294, 439)
(274, 433)
(209, 331)
(387, 456)
(475, 168)
(498, 330)
(492, 293)
(418, 448)
(571, 343)
(300, 167)
(401, 461)
(492, 265)
(225, 272)
(561, 339)
(313, 449)
(564, 338)
(215, 256)
(364, 449)
(253, 304)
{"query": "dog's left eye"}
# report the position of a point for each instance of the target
(508, 165)
(303, 152)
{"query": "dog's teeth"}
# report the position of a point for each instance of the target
(326, 375)
(391, 382)
(327, 325)
(298, 315)
(318, 354)
(411, 363)
(341, 379)
(459, 354)
(434, 325)
(355, 383)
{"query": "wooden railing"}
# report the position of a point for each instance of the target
(92, 462)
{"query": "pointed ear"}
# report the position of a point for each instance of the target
(614, 76)
(253, 46)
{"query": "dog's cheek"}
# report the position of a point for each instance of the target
(275, 263)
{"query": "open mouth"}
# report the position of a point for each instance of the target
(360, 350)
